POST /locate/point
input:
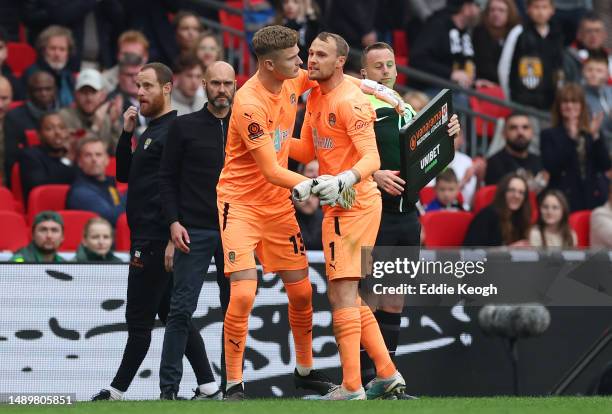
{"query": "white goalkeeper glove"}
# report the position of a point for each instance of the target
(383, 93)
(333, 190)
(303, 190)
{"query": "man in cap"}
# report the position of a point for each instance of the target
(91, 115)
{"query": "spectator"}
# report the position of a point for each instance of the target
(531, 62)
(568, 14)
(41, 99)
(444, 47)
(574, 153)
(187, 94)
(95, 26)
(208, 49)
(303, 17)
(356, 26)
(47, 163)
(55, 45)
(418, 100)
(601, 224)
(598, 94)
(552, 228)
(590, 39)
(515, 157)
(130, 42)
(5, 70)
(447, 193)
(92, 189)
(151, 18)
(90, 116)
(97, 243)
(499, 17)
(127, 90)
(187, 29)
(47, 236)
(5, 100)
(506, 221)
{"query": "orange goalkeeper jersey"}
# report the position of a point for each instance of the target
(259, 116)
(340, 126)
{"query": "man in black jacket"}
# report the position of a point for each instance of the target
(41, 99)
(149, 279)
(191, 164)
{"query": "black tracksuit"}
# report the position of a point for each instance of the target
(149, 285)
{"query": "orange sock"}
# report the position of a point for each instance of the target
(236, 325)
(347, 329)
(300, 319)
(374, 344)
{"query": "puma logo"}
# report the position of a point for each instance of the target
(308, 331)
(333, 266)
(236, 344)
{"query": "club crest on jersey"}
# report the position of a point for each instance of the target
(147, 143)
(232, 256)
(332, 119)
(254, 130)
(292, 99)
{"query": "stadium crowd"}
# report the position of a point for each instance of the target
(68, 74)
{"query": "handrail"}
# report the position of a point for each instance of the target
(215, 25)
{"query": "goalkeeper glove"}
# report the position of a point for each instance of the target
(333, 190)
(383, 93)
(303, 190)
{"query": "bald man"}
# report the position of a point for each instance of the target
(6, 96)
(191, 163)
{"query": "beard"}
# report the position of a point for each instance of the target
(155, 106)
(57, 65)
(519, 145)
(216, 101)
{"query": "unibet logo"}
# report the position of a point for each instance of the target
(430, 160)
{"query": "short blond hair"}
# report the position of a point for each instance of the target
(133, 36)
(272, 39)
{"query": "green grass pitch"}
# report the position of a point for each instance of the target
(535, 405)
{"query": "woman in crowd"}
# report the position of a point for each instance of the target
(97, 243)
(208, 49)
(187, 28)
(573, 152)
(552, 228)
(506, 221)
(498, 18)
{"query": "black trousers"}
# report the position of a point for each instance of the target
(148, 295)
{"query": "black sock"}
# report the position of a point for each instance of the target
(368, 370)
(389, 324)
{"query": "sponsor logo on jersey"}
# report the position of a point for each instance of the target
(332, 119)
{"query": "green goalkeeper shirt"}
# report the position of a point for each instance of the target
(387, 126)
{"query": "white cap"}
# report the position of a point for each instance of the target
(91, 78)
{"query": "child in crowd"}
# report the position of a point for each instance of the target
(447, 193)
(598, 93)
(552, 228)
(97, 243)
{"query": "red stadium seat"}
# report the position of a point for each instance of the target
(32, 137)
(445, 228)
(488, 108)
(111, 168)
(74, 223)
(483, 197)
(47, 197)
(122, 234)
(16, 187)
(15, 233)
(20, 57)
(7, 201)
(580, 221)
